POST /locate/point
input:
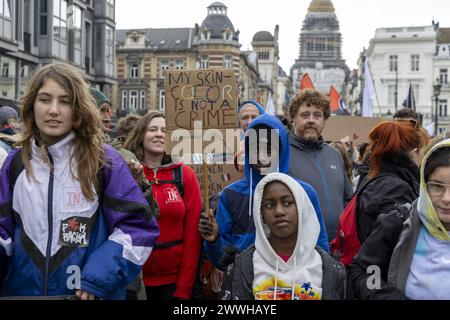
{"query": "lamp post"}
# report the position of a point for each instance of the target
(437, 91)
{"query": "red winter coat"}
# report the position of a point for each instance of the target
(178, 220)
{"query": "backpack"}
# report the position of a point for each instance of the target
(177, 180)
(346, 244)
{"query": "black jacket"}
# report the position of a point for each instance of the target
(238, 278)
(390, 248)
(400, 185)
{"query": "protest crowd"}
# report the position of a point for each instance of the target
(95, 211)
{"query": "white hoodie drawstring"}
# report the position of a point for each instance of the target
(293, 281)
(276, 282)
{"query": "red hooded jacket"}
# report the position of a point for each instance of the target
(178, 220)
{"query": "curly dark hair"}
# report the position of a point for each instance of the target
(310, 98)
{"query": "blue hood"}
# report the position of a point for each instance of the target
(253, 102)
(273, 123)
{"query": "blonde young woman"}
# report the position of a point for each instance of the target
(72, 218)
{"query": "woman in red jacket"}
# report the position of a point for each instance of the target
(171, 268)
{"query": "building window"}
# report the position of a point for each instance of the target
(133, 99)
(60, 20)
(443, 76)
(5, 8)
(263, 55)
(109, 51)
(124, 99)
(98, 42)
(393, 63)
(204, 62)
(415, 62)
(134, 71)
(163, 65)
(227, 62)
(179, 64)
(162, 100)
(60, 29)
(110, 9)
(391, 95)
(74, 24)
(43, 17)
(5, 70)
(443, 108)
(143, 104)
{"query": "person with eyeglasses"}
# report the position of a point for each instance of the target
(411, 247)
(393, 178)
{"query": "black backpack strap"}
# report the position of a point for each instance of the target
(178, 176)
(16, 168)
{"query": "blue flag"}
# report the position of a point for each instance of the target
(410, 101)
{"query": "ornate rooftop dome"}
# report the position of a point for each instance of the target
(217, 20)
(263, 36)
(321, 6)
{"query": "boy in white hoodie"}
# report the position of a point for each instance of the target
(284, 263)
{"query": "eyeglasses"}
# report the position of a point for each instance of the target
(437, 189)
(414, 122)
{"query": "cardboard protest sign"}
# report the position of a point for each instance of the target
(219, 176)
(212, 141)
(219, 147)
(357, 128)
(200, 106)
(209, 96)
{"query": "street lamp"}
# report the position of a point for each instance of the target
(437, 91)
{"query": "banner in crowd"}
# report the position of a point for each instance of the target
(357, 128)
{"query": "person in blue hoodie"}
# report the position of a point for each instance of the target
(232, 230)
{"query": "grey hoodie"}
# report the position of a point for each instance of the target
(322, 166)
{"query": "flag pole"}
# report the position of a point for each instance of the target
(374, 88)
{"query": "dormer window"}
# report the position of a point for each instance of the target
(134, 71)
(206, 34)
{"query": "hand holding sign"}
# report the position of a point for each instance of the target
(208, 227)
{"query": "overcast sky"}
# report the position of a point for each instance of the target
(358, 19)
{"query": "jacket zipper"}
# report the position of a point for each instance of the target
(50, 224)
(154, 254)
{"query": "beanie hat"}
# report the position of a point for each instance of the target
(98, 96)
(7, 113)
(250, 103)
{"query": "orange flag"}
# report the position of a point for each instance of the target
(306, 83)
(335, 99)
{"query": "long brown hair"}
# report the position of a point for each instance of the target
(392, 139)
(88, 151)
(135, 141)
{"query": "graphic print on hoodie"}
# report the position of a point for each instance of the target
(233, 215)
(300, 278)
